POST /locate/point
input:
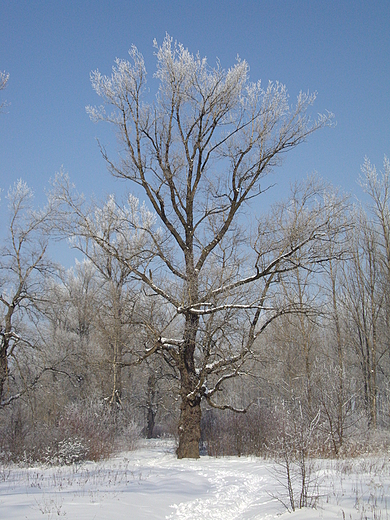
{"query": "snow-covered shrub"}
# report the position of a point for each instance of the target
(90, 422)
(68, 451)
(103, 428)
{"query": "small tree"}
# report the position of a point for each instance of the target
(291, 450)
(200, 152)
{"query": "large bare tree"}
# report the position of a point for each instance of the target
(200, 151)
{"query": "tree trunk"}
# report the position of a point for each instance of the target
(4, 348)
(151, 406)
(116, 394)
(150, 421)
(340, 358)
(189, 428)
(3, 369)
(190, 411)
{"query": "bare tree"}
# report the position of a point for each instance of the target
(200, 152)
(114, 315)
(378, 189)
(23, 266)
(368, 282)
(71, 308)
(364, 301)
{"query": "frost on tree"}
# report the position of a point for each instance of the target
(23, 266)
(4, 77)
(200, 151)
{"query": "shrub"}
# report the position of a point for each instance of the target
(85, 430)
(230, 433)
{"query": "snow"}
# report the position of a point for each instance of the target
(150, 483)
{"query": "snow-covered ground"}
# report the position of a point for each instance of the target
(150, 483)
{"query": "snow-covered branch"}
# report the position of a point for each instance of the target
(194, 309)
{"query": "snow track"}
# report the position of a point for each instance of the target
(227, 488)
(238, 494)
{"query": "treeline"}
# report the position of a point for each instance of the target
(76, 381)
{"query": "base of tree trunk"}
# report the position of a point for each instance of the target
(189, 430)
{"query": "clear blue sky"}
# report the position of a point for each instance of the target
(339, 48)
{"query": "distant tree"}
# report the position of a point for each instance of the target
(367, 287)
(377, 186)
(365, 303)
(24, 264)
(70, 307)
(200, 152)
(114, 313)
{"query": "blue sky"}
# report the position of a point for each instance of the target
(341, 49)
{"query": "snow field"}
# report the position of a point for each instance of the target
(150, 483)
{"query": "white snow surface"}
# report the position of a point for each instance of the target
(150, 483)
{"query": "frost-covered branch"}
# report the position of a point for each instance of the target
(4, 77)
(213, 308)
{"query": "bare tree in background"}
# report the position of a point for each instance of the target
(377, 186)
(368, 283)
(114, 316)
(200, 152)
(23, 266)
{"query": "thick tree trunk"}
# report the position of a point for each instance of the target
(190, 412)
(189, 428)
